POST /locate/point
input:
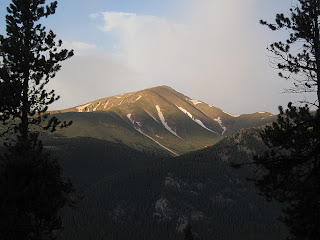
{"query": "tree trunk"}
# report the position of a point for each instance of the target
(24, 131)
(25, 107)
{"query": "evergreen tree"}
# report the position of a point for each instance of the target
(32, 192)
(29, 58)
(298, 57)
(290, 171)
(32, 189)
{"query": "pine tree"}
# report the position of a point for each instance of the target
(290, 171)
(29, 57)
(32, 189)
(298, 57)
(32, 193)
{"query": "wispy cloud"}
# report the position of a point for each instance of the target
(147, 43)
(212, 52)
(80, 46)
(215, 52)
(118, 20)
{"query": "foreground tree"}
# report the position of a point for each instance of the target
(298, 57)
(32, 193)
(29, 58)
(290, 171)
(32, 189)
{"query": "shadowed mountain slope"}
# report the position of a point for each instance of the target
(131, 195)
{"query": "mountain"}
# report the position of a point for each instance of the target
(157, 120)
(121, 155)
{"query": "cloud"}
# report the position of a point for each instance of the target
(118, 20)
(150, 45)
(87, 78)
(214, 52)
(210, 55)
(80, 47)
(94, 15)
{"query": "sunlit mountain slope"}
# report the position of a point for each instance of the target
(157, 119)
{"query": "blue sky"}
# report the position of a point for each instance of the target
(210, 50)
(72, 19)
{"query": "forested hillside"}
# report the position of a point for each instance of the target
(131, 195)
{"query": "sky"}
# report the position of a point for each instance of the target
(210, 50)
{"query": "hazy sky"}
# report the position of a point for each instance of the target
(210, 50)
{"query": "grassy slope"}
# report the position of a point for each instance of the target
(108, 119)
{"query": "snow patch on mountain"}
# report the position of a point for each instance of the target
(195, 120)
(105, 105)
(81, 108)
(129, 116)
(218, 120)
(133, 121)
(168, 149)
(232, 115)
(140, 131)
(137, 99)
(152, 116)
(110, 106)
(261, 112)
(165, 124)
(195, 102)
(96, 106)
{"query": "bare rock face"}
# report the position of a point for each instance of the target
(117, 213)
(170, 182)
(182, 223)
(197, 215)
(162, 211)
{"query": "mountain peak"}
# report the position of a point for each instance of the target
(160, 88)
(167, 118)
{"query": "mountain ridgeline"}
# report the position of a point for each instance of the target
(158, 120)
